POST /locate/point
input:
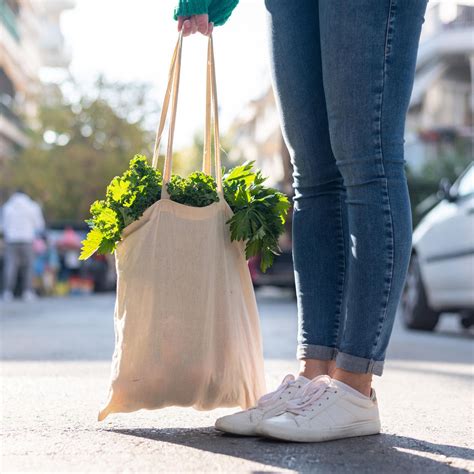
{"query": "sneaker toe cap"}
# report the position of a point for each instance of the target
(238, 423)
(278, 425)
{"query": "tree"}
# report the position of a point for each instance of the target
(79, 146)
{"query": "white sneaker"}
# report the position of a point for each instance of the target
(7, 296)
(246, 422)
(29, 295)
(328, 409)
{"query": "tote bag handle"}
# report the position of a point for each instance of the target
(212, 108)
(211, 116)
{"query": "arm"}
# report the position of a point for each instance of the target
(202, 15)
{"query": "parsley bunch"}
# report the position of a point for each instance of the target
(198, 189)
(259, 211)
(127, 198)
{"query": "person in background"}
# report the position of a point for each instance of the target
(46, 265)
(22, 221)
(342, 73)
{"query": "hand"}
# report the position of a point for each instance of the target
(195, 23)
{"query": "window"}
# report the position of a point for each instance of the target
(466, 185)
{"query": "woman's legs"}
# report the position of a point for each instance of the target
(342, 72)
(345, 70)
(320, 232)
(369, 52)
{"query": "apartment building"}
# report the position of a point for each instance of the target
(30, 39)
(441, 105)
(257, 137)
(442, 102)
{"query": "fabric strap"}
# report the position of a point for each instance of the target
(164, 109)
(210, 119)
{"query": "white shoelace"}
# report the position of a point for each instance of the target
(272, 397)
(312, 392)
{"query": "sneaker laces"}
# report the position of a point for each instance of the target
(270, 398)
(312, 391)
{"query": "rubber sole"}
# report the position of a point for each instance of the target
(310, 436)
(234, 430)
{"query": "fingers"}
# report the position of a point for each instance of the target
(187, 26)
(202, 23)
(193, 24)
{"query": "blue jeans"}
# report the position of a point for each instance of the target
(343, 73)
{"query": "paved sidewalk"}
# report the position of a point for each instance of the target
(54, 373)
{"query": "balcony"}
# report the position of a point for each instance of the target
(11, 116)
(444, 46)
(9, 19)
(12, 128)
(446, 38)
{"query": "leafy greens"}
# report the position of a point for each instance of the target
(259, 211)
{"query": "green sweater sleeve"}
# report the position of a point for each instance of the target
(218, 10)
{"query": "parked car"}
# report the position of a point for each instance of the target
(441, 272)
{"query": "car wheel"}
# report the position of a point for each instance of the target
(467, 319)
(415, 309)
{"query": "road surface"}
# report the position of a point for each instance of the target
(55, 361)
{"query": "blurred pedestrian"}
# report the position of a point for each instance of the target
(342, 74)
(46, 265)
(22, 221)
(69, 249)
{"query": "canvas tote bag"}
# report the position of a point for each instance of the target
(186, 322)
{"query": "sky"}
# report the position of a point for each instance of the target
(130, 40)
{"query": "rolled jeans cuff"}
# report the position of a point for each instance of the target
(359, 364)
(310, 351)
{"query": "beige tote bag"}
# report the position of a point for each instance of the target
(186, 322)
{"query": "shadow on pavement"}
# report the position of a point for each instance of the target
(381, 453)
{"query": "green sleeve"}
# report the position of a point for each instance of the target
(218, 10)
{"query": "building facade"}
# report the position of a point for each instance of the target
(30, 39)
(441, 105)
(256, 136)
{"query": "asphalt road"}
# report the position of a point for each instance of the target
(55, 360)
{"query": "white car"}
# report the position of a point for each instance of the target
(441, 273)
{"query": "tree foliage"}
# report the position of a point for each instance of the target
(79, 146)
(82, 140)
